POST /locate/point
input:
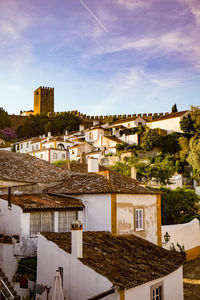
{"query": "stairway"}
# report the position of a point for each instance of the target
(7, 291)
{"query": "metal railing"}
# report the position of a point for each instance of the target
(3, 284)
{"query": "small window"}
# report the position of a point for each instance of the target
(21, 146)
(55, 156)
(33, 148)
(37, 147)
(157, 291)
(40, 222)
(41, 156)
(63, 156)
(91, 136)
(129, 125)
(27, 145)
(65, 220)
(139, 219)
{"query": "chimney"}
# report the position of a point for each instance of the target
(49, 134)
(9, 198)
(66, 132)
(81, 127)
(77, 239)
(93, 164)
(43, 136)
(133, 173)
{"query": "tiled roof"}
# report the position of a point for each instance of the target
(170, 116)
(26, 168)
(126, 120)
(126, 260)
(77, 167)
(45, 202)
(99, 183)
(114, 139)
(94, 128)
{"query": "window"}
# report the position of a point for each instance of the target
(27, 145)
(90, 135)
(65, 219)
(40, 222)
(63, 156)
(157, 291)
(41, 156)
(21, 146)
(129, 125)
(33, 148)
(139, 219)
(55, 156)
(37, 147)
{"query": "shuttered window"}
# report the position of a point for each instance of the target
(139, 219)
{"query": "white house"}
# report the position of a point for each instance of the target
(115, 203)
(92, 134)
(57, 143)
(76, 151)
(99, 265)
(50, 154)
(107, 143)
(128, 123)
(170, 122)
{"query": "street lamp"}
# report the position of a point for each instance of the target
(166, 238)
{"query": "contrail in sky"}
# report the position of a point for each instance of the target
(100, 23)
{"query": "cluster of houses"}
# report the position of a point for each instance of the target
(97, 141)
(101, 229)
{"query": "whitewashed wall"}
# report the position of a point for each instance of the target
(97, 212)
(170, 125)
(79, 281)
(187, 235)
(130, 139)
(95, 135)
(126, 205)
(172, 287)
(10, 220)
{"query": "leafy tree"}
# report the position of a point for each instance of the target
(174, 108)
(194, 155)
(170, 143)
(184, 147)
(188, 125)
(195, 115)
(36, 125)
(150, 139)
(4, 118)
(178, 206)
(122, 168)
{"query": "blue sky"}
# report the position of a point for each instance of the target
(148, 59)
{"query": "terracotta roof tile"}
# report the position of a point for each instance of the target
(99, 183)
(170, 116)
(77, 167)
(45, 202)
(126, 260)
(26, 168)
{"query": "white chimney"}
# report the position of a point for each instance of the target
(95, 122)
(49, 134)
(43, 136)
(93, 164)
(66, 132)
(133, 173)
(77, 239)
(81, 127)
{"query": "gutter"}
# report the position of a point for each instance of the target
(102, 295)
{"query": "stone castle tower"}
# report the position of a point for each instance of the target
(43, 100)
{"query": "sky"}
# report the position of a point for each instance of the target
(130, 56)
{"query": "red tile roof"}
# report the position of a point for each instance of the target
(126, 260)
(99, 183)
(36, 202)
(170, 116)
(26, 168)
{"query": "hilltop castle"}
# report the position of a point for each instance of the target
(43, 101)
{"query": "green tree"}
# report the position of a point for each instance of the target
(174, 108)
(4, 119)
(150, 139)
(178, 206)
(188, 125)
(184, 147)
(194, 155)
